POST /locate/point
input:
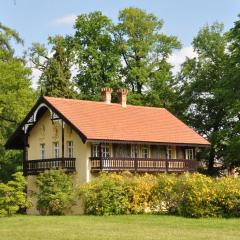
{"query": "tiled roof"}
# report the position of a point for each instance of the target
(101, 121)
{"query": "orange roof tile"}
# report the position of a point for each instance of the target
(101, 121)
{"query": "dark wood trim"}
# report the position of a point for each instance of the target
(34, 167)
(148, 143)
(16, 140)
(25, 155)
(82, 136)
(100, 156)
(19, 133)
(143, 165)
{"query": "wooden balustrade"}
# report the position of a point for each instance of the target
(143, 165)
(34, 167)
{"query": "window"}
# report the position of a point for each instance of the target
(56, 150)
(189, 154)
(70, 149)
(134, 151)
(42, 150)
(105, 150)
(95, 150)
(145, 151)
(171, 152)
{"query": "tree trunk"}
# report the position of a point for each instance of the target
(211, 161)
(139, 88)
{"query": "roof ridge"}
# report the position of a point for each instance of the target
(103, 103)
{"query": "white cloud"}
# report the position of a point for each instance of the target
(65, 20)
(178, 57)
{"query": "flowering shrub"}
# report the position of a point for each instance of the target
(198, 198)
(166, 193)
(190, 195)
(139, 191)
(13, 196)
(228, 196)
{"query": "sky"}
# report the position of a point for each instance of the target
(35, 20)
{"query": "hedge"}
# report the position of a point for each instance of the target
(189, 195)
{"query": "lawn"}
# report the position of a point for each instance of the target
(117, 227)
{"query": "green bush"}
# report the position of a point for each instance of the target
(56, 192)
(13, 196)
(105, 195)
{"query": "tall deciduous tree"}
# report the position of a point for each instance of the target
(96, 55)
(145, 50)
(231, 149)
(16, 97)
(55, 66)
(205, 104)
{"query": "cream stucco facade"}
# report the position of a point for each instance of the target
(48, 132)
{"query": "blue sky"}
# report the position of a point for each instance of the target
(35, 20)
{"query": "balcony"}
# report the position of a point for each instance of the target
(143, 165)
(34, 167)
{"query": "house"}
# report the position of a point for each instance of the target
(88, 137)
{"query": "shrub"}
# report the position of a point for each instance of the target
(198, 197)
(228, 196)
(13, 196)
(56, 192)
(166, 193)
(105, 195)
(139, 192)
(189, 195)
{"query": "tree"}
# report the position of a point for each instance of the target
(16, 97)
(144, 51)
(96, 55)
(232, 87)
(55, 66)
(203, 101)
(7, 34)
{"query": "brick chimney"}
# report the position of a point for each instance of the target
(122, 96)
(106, 95)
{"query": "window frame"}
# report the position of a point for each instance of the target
(42, 151)
(106, 150)
(70, 149)
(134, 151)
(147, 153)
(56, 152)
(171, 152)
(189, 154)
(95, 150)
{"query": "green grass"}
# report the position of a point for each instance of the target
(117, 227)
